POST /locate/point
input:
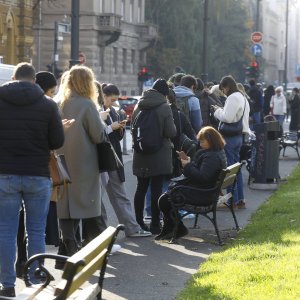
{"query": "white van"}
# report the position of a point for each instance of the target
(6, 72)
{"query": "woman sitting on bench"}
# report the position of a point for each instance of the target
(202, 172)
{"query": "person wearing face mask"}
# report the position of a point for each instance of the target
(278, 105)
(236, 107)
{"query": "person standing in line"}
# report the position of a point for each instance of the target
(83, 197)
(152, 168)
(278, 105)
(295, 110)
(256, 96)
(187, 102)
(115, 186)
(268, 94)
(236, 107)
(30, 127)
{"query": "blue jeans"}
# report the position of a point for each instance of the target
(280, 119)
(232, 150)
(35, 192)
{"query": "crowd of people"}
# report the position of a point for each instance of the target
(201, 128)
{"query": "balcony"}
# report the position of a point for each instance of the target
(148, 34)
(109, 28)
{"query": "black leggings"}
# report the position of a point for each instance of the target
(156, 183)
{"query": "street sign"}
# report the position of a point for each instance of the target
(257, 49)
(256, 37)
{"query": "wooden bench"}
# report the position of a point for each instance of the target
(227, 179)
(78, 269)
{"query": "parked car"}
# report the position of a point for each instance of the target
(6, 72)
(127, 103)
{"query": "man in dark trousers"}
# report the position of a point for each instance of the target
(30, 126)
(258, 101)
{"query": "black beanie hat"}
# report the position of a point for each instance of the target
(45, 80)
(161, 86)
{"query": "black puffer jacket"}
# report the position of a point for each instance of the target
(204, 170)
(30, 125)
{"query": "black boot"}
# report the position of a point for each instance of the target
(166, 231)
(181, 230)
(59, 265)
(71, 247)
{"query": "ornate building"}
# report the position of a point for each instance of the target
(113, 39)
(16, 37)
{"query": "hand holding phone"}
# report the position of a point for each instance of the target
(182, 155)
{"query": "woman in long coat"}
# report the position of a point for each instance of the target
(82, 199)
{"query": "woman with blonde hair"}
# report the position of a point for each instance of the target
(83, 197)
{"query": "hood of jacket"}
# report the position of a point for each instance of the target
(182, 91)
(150, 99)
(20, 93)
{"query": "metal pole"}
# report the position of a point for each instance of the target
(55, 54)
(257, 16)
(286, 44)
(204, 51)
(75, 33)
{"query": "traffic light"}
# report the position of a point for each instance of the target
(143, 74)
(253, 70)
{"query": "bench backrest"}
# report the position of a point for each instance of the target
(230, 175)
(83, 264)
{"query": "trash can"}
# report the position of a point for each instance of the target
(265, 153)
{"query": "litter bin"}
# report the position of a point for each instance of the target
(265, 153)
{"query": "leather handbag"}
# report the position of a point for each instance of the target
(232, 129)
(58, 169)
(108, 159)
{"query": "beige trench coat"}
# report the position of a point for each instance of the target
(82, 199)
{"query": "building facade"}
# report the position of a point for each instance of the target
(16, 36)
(113, 39)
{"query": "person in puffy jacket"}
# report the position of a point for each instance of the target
(201, 171)
(30, 126)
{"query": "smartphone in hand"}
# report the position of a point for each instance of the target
(182, 155)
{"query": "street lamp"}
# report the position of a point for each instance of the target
(286, 44)
(75, 33)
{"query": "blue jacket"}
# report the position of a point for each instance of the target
(194, 106)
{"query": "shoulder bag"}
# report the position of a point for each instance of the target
(232, 129)
(108, 159)
(59, 174)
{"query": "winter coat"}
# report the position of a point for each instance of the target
(295, 113)
(205, 167)
(83, 197)
(182, 126)
(195, 116)
(160, 162)
(30, 127)
(256, 96)
(278, 105)
(115, 137)
(234, 107)
(206, 101)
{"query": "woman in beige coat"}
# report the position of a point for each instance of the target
(82, 200)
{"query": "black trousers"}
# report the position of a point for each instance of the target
(156, 183)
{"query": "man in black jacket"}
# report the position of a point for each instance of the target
(30, 126)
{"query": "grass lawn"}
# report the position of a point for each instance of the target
(264, 260)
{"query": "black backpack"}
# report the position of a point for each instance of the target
(146, 132)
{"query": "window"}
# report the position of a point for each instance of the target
(139, 14)
(123, 9)
(115, 60)
(101, 5)
(131, 11)
(124, 61)
(132, 60)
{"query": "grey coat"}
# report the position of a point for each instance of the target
(160, 162)
(82, 199)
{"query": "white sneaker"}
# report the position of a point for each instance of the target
(115, 248)
(140, 233)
